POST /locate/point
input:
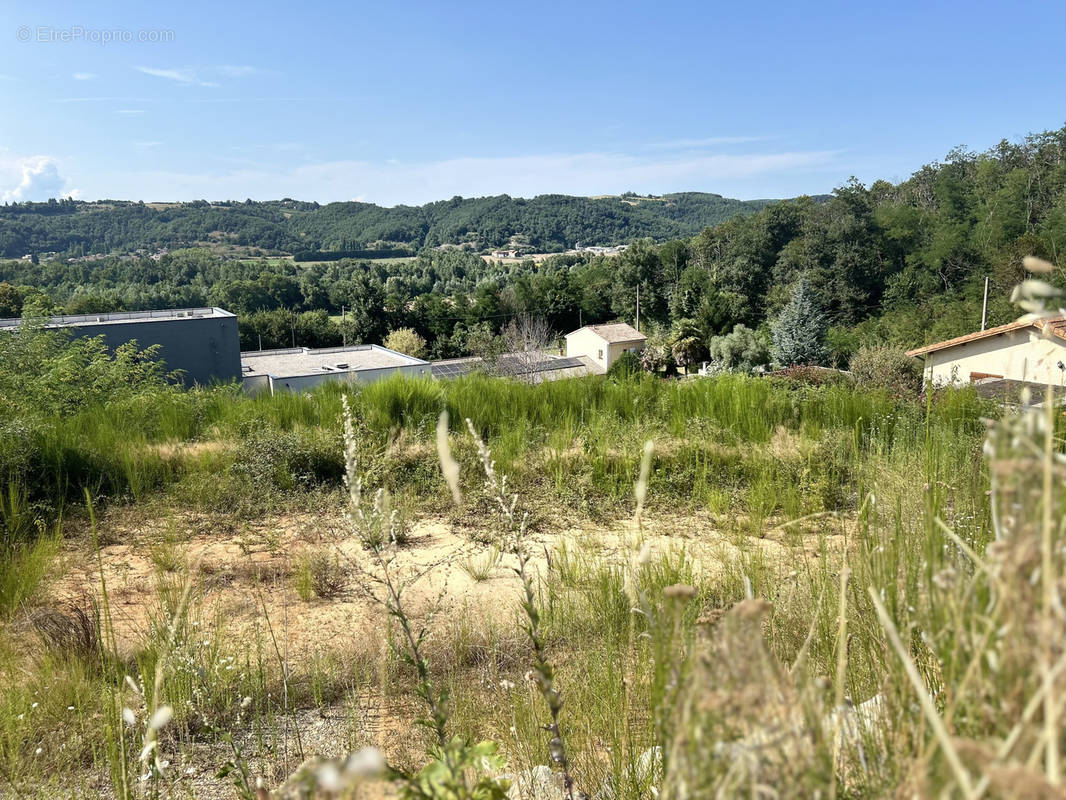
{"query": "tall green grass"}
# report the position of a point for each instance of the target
(863, 492)
(719, 438)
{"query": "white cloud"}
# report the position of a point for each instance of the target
(766, 174)
(184, 76)
(84, 76)
(203, 76)
(33, 178)
(699, 144)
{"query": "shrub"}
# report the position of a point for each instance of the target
(320, 574)
(886, 367)
(742, 350)
(624, 366)
(287, 460)
(407, 341)
(656, 357)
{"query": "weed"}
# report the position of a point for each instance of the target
(73, 632)
(480, 568)
(320, 574)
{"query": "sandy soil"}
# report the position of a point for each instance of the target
(244, 574)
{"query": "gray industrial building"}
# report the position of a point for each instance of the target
(200, 342)
(299, 369)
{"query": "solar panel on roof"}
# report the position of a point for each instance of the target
(513, 365)
(451, 370)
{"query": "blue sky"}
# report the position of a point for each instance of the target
(398, 102)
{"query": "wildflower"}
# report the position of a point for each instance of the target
(37, 752)
(129, 716)
(506, 685)
(247, 701)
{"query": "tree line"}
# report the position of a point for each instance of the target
(899, 263)
(549, 223)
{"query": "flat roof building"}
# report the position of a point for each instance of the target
(200, 342)
(298, 369)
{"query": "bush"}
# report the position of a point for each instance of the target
(320, 574)
(407, 341)
(742, 350)
(297, 459)
(886, 367)
(625, 365)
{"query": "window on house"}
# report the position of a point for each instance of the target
(599, 354)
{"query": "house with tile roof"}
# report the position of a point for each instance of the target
(601, 345)
(1031, 350)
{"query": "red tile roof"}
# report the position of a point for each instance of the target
(1052, 326)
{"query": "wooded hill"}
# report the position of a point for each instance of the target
(548, 223)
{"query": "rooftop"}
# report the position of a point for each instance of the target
(124, 317)
(614, 332)
(1011, 392)
(506, 364)
(1052, 326)
(300, 361)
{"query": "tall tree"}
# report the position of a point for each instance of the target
(798, 333)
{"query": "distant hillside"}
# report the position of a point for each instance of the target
(547, 223)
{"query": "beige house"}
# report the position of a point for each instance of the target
(601, 345)
(1033, 351)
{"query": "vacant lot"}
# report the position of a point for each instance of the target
(288, 590)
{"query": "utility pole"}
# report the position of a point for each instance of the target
(638, 308)
(984, 308)
(260, 341)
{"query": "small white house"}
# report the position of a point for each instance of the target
(1033, 351)
(603, 344)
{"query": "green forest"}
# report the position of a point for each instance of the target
(549, 223)
(897, 263)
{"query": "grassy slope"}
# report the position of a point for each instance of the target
(753, 453)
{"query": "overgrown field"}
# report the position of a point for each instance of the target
(796, 590)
